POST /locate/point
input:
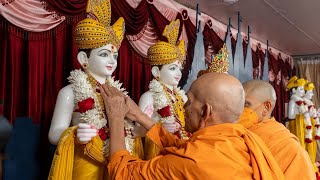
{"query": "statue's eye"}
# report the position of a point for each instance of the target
(104, 54)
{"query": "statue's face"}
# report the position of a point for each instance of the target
(170, 74)
(103, 60)
(309, 94)
(299, 91)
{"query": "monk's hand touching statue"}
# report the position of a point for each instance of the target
(115, 103)
(116, 110)
(135, 114)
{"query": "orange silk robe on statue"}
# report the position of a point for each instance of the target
(225, 151)
(291, 157)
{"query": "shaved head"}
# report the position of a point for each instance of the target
(257, 93)
(221, 91)
(261, 90)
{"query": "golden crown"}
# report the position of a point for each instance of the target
(167, 52)
(95, 31)
(220, 63)
(292, 79)
(309, 86)
(295, 82)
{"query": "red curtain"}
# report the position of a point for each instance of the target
(132, 71)
(67, 7)
(256, 64)
(210, 37)
(159, 21)
(34, 67)
(260, 55)
(191, 34)
(135, 18)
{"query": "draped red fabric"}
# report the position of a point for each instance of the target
(261, 55)
(274, 67)
(212, 38)
(67, 7)
(285, 74)
(191, 34)
(159, 21)
(33, 68)
(13, 72)
(135, 18)
(255, 64)
(132, 71)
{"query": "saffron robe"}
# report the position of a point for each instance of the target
(225, 151)
(285, 147)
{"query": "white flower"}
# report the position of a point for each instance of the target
(160, 100)
(183, 96)
(93, 117)
(155, 86)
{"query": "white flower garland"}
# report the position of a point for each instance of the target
(82, 90)
(160, 99)
(303, 110)
(313, 114)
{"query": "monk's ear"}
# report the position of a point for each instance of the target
(267, 108)
(205, 115)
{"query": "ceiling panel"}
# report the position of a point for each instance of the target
(291, 26)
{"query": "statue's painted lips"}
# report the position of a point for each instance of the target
(109, 67)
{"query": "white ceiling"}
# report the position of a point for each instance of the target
(291, 26)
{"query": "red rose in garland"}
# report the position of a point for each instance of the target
(85, 105)
(102, 133)
(164, 112)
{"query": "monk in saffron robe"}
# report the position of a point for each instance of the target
(260, 100)
(218, 149)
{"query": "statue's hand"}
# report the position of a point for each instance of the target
(171, 127)
(85, 132)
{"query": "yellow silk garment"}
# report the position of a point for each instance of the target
(311, 148)
(297, 127)
(82, 162)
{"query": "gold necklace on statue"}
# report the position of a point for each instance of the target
(95, 86)
(176, 105)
